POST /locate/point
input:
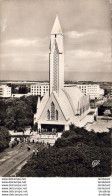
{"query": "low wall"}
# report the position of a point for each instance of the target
(46, 138)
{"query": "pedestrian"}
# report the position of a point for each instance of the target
(30, 131)
(37, 142)
(28, 148)
(33, 151)
(12, 145)
(49, 145)
(37, 152)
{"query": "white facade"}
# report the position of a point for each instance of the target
(5, 91)
(93, 90)
(61, 105)
(39, 89)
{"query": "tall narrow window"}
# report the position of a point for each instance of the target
(52, 111)
(56, 114)
(55, 68)
(48, 115)
(83, 109)
(80, 111)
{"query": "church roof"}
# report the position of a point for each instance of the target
(56, 27)
(74, 96)
(70, 100)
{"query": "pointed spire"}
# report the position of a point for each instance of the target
(56, 27)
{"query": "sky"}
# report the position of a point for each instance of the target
(25, 27)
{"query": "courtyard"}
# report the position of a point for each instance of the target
(100, 126)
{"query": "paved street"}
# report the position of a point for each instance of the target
(11, 158)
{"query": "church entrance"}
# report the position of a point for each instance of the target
(52, 128)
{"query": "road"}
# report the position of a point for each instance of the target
(11, 158)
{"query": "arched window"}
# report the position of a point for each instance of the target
(56, 114)
(52, 111)
(48, 115)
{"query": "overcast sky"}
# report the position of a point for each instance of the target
(25, 27)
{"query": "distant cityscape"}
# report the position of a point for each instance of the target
(95, 90)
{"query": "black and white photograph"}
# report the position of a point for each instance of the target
(55, 88)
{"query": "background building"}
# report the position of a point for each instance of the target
(5, 91)
(93, 90)
(39, 89)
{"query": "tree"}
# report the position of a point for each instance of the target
(4, 138)
(72, 156)
(23, 90)
(17, 113)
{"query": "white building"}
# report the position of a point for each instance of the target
(93, 90)
(39, 89)
(5, 91)
(61, 105)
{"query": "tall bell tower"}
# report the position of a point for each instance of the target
(56, 59)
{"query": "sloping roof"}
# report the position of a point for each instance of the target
(64, 104)
(74, 96)
(42, 104)
(70, 100)
(56, 27)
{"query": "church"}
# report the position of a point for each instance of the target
(61, 106)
